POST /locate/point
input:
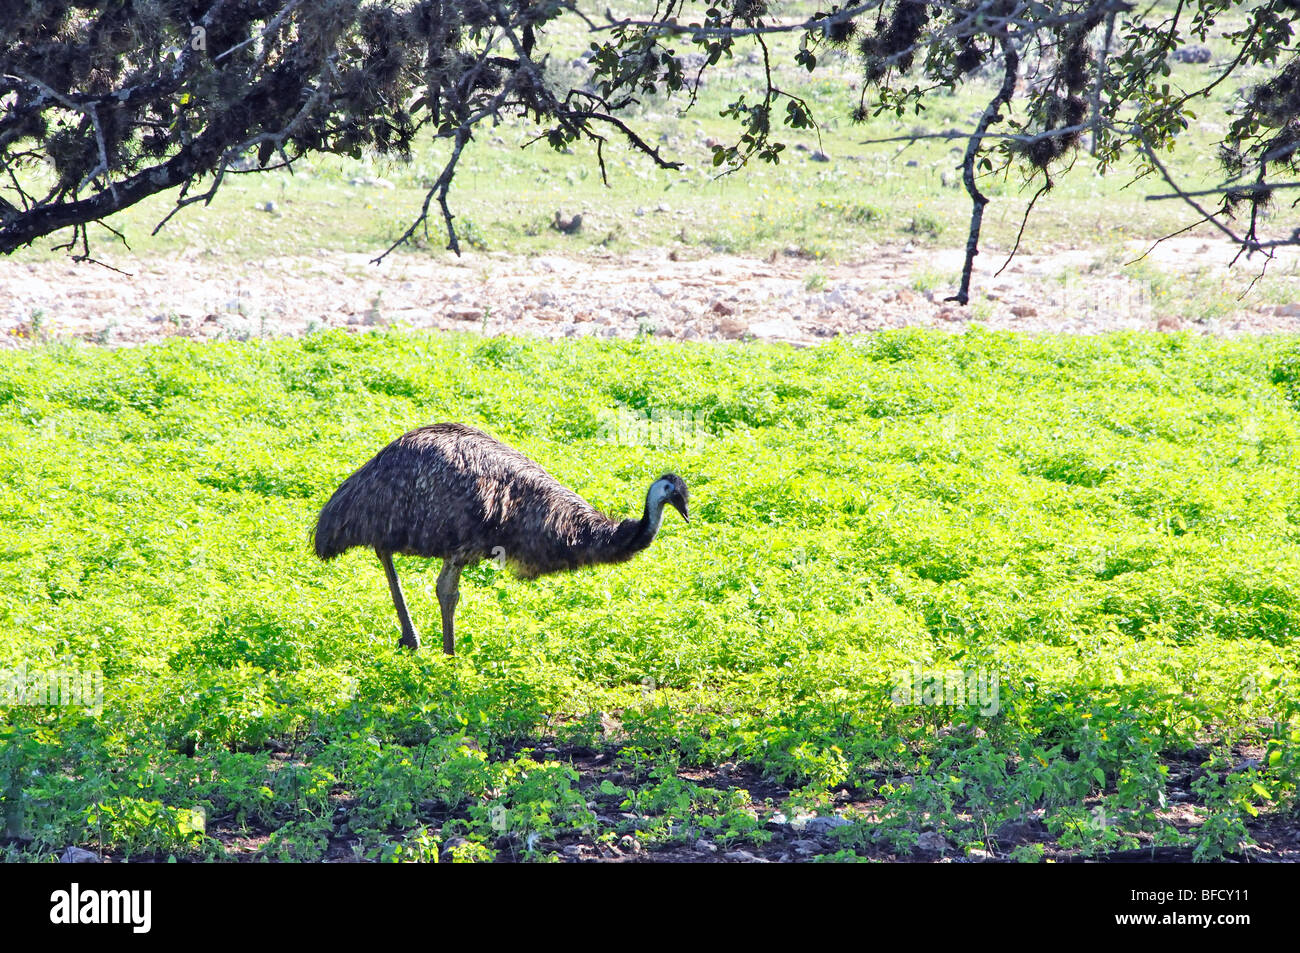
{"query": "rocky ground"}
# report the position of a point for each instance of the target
(685, 295)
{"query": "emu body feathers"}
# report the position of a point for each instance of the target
(452, 492)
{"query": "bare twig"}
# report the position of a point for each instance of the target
(1021, 137)
(1101, 76)
(270, 28)
(1046, 187)
(1186, 228)
(1260, 186)
(992, 113)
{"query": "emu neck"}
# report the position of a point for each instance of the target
(652, 517)
(632, 536)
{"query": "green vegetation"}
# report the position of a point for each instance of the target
(1108, 527)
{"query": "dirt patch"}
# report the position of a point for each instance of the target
(782, 298)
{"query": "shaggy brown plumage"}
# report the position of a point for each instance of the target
(452, 492)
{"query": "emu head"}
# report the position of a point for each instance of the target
(670, 489)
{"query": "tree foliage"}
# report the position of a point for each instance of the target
(105, 103)
(122, 99)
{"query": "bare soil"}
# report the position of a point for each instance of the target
(683, 295)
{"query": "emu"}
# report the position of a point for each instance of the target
(453, 492)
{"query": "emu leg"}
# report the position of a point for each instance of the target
(448, 596)
(410, 638)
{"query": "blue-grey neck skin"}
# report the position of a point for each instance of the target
(655, 499)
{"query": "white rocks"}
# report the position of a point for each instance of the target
(932, 842)
(731, 327)
(782, 328)
(694, 296)
(813, 824)
(78, 855)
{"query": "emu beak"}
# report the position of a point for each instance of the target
(680, 507)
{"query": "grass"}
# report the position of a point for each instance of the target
(1104, 531)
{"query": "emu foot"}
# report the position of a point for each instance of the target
(410, 640)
